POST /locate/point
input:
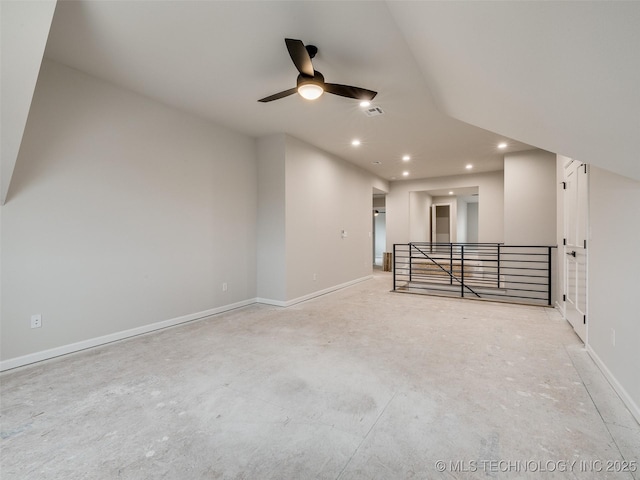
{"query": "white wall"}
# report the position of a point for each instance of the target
(272, 255)
(530, 198)
(307, 198)
(419, 216)
(461, 217)
(325, 195)
(491, 208)
(122, 213)
(472, 222)
(614, 280)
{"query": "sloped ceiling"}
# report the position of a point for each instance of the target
(454, 78)
(216, 59)
(563, 76)
(24, 29)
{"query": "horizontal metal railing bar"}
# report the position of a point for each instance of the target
(490, 281)
(469, 257)
(471, 245)
(453, 243)
(489, 284)
(488, 296)
(456, 290)
(524, 269)
(481, 252)
(523, 290)
(493, 275)
(472, 260)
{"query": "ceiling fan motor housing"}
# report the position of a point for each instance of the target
(311, 50)
(317, 79)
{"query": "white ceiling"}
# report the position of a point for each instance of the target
(216, 59)
(562, 76)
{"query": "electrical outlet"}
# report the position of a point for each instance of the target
(224, 287)
(315, 277)
(36, 320)
(613, 337)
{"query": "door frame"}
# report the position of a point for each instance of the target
(580, 248)
(432, 230)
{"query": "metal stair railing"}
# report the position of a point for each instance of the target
(491, 271)
(448, 272)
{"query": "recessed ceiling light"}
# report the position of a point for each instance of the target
(469, 167)
(365, 103)
(355, 142)
(406, 158)
(450, 193)
(502, 145)
(405, 173)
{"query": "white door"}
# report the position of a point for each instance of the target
(575, 248)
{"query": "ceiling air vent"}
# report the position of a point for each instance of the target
(373, 111)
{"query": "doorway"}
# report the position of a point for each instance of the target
(441, 223)
(379, 236)
(445, 215)
(379, 228)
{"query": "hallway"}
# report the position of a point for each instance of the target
(362, 383)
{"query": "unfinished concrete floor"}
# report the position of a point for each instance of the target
(359, 384)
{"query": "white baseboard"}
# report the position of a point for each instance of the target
(617, 387)
(622, 393)
(288, 303)
(113, 337)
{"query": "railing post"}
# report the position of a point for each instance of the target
(450, 263)
(393, 268)
(549, 277)
(462, 271)
(410, 262)
(498, 265)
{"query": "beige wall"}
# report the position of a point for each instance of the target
(306, 200)
(122, 213)
(272, 254)
(419, 216)
(614, 281)
(491, 204)
(530, 198)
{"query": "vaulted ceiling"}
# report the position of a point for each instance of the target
(454, 78)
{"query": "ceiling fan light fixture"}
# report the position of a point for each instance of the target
(310, 91)
(311, 87)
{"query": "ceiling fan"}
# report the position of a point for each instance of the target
(310, 83)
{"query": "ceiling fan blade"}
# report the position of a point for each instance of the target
(277, 96)
(349, 91)
(300, 56)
